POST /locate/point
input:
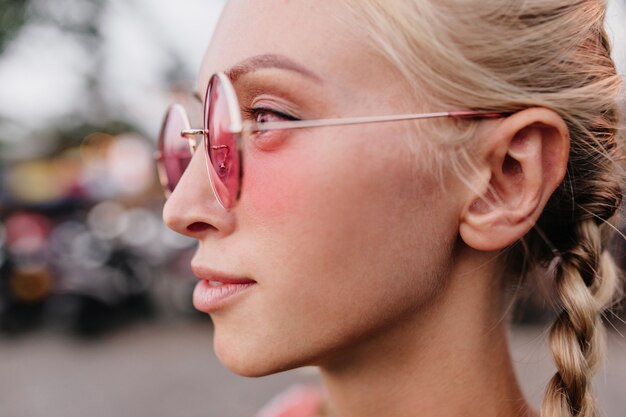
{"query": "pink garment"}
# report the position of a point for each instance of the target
(297, 401)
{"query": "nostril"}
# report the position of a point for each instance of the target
(199, 227)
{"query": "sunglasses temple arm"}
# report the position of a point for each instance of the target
(303, 124)
(250, 126)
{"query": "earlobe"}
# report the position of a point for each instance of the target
(525, 159)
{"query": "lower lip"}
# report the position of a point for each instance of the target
(208, 298)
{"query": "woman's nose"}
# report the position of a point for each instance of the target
(192, 208)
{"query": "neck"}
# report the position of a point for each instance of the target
(450, 358)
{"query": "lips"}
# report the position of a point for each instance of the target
(207, 274)
(216, 290)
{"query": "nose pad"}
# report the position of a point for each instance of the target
(192, 208)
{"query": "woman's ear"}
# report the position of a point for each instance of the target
(524, 159)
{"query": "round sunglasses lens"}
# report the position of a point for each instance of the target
(174, 151)
(221, 144)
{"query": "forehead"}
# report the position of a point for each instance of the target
(315, 34)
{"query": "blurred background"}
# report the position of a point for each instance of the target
(95, 293)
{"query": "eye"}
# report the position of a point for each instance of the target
(267, 140)
(267, 115)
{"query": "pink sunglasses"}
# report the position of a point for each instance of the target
(223, 131)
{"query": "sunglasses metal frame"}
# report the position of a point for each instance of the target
(239, 128)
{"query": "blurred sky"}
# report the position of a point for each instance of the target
(616, 26)
(42, 72)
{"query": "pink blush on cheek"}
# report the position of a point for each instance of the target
(275, 183)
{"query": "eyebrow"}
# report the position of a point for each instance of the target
(258, 62)
(269, 61)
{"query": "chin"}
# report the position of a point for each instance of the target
(255, 358)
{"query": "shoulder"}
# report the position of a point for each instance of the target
(296, 401)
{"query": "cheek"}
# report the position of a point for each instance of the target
(333, 191)
(275, 184)
(311, 172)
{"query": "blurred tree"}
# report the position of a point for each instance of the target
(84, 25)
(12, 17)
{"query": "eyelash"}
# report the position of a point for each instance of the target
(253, 113)
(267, 140)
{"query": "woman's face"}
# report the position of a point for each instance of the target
(344, 229)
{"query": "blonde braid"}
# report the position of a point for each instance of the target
(585, 281)
(586, 276)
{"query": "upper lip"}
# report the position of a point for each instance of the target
(208, 274)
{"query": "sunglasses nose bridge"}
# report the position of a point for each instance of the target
(194, 137)
(192, 133)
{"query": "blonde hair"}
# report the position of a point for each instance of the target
(507, 56)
